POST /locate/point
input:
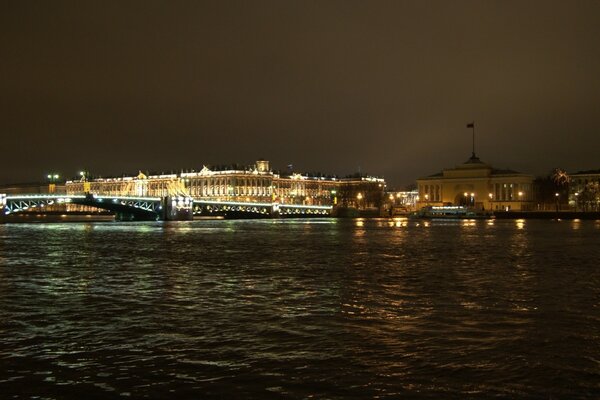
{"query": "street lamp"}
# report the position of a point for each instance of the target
(520, 201)
(359, 197)
(491, 196)
(85, 175)
(392, 204)
(426, 199)
(556, 195)
(52, 178)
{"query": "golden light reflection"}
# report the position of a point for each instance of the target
(520, 223)
(401, 222)
(359, 233)
(471, 305)
(398, 222)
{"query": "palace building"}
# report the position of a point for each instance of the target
(478, 185)
(256, 183)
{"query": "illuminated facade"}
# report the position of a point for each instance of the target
(404, 201)
(478, 185)
(253, 184)
(140, 185)
(584, 190)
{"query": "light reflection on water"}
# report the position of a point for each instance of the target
(298, 308)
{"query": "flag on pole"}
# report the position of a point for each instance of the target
(471, 125)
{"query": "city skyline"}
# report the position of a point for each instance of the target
(384, 88)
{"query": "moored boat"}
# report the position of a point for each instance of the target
(450, 212)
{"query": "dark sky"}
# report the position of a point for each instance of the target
(332, 86)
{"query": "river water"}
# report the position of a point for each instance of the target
(327, 308)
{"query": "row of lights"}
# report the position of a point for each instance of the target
(490, 195)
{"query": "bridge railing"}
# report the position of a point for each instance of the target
(16, 203)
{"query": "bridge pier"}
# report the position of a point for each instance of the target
(275, 210)
(177, 208)
(2, 207)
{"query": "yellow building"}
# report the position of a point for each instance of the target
(478, 185)
(256, 183)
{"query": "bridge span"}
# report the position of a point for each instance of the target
(168, 208)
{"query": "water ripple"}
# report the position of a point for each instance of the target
(299, 309)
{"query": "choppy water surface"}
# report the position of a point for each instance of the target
(299, 309)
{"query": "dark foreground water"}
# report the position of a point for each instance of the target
(300, 309)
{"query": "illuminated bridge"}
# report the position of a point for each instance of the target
(169, 208)
(233, 192)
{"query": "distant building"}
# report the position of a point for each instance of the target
(32, 188)
(479, 185)
(584, 190)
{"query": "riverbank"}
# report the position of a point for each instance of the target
(589, 215)
(31, 217)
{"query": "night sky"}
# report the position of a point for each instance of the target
(333, 86)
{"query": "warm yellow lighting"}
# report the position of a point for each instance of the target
(359, 196)
(472, 194)
(466, 194)
(520, 194)
(391, 197)
(490, 195)
(556, 194)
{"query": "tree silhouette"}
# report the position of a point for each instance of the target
(560, 177)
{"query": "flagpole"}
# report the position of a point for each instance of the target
(473, 126)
